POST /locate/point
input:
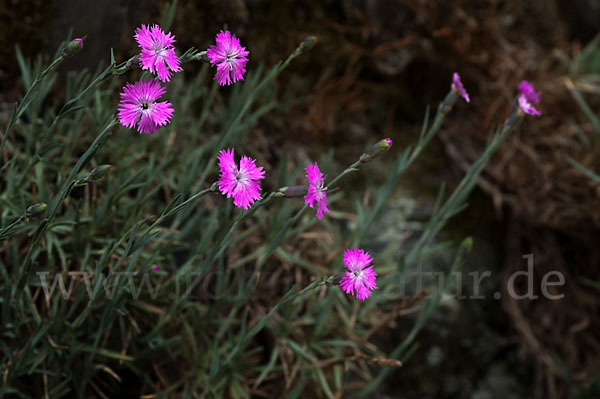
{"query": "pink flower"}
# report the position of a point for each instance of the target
(229, 57)
(241, 184)
(316, 191)
(156, 268)
(458, 86)
(139, 100)
(360, 276)
(158, 51)
(528, 97)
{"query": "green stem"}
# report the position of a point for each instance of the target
(65, 189)
(70, 106)
(4, 232)
(227, 237)
(457, 199)
(257, 90)
(18, 110)
(349, 169)
(176, 209)
(404, 161)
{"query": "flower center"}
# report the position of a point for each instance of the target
(232, 54)
(158, 46)
(320, 188)
(145, 105)
(240, 177)
(524, 104)
(231, 58)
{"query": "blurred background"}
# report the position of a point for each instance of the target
(377, 65)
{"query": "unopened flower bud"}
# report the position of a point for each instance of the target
(305, 45)
(468, 243)
(36, 209)
(294, 191)
(308, 43)
(73, 47)
(380, 147)
(100, 171)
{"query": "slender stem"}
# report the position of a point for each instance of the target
(458, 196)
(349, 169)
(4, 232)
(69, 106)
(18, 110)
(65, 189)
(255, 92)
(227, 237)
(290, 296)
(443, 109)
(176, 209)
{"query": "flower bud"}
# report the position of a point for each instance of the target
(99, 172)
(73, 47)
(36, 209)
(308, 43)
(305, 45)
(380, 147)
(294, 191)
(467, 243)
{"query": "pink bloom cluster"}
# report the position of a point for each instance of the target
(359, 279)
(229, 57)
(316, 190)
(138, 106)
(527, 98)
(243, 184)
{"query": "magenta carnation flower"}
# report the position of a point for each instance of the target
(229, 57)
(138, 106)
(240, 183)
(360, 276)
(458, 86)
(316, 191)
(528, 97)
(158, 53)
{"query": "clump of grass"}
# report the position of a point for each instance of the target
(222, 317)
